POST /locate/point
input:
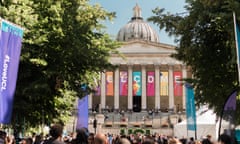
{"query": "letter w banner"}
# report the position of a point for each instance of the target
(190, 108)
(82, 120)
(10, 49)
(237, 39)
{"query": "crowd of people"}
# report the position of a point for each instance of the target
(82, 136)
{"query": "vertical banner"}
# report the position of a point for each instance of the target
(164, 84)
(109, 83)
(82, 119)
(97, 91)
(123, 83)
(150, 83)
(137, 84)
(177, 76)
(190, 108)
(10, 46)
(229, 113)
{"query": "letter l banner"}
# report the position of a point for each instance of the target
(10, 49)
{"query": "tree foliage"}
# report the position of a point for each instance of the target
(205, 34)
(64, 46)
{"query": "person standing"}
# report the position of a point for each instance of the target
(207, 140)
(100, 139)
(56, 135)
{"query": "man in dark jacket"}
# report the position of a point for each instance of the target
(56, 134)
(207, 140)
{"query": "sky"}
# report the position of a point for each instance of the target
(124, 12)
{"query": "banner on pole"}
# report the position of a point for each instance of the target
(109, 83)
(10, 47)
(164, 84)
(123, 83)
(137, 84)
(177, 83)
(150, 83)
(190, 108)
(82, 119)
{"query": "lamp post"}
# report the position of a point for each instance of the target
(95, 122)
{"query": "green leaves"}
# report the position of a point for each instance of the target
(64, 46)
(206, 43)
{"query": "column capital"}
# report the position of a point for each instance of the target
(184, 66)
(156, 64)
(143, 66)
(129, 65)
(170, 66)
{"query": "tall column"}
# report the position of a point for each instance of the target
(171, 90)
(144, 98)
(103, 90)
(130, 96)
(157, 87)
(184, 75)
(90, 101)
(116, 89)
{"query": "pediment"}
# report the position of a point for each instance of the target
(142, 47)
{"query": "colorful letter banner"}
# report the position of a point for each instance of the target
(177, 76)
(123, 83)
(164, 84)
(137, 84)
(109, 83)
(150, 83)
(10, 46)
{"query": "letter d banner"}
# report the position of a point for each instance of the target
(10, 49)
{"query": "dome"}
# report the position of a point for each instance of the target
(137, 28)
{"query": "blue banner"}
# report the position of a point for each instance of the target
(190, 108)
(10, 45)
(82, 120)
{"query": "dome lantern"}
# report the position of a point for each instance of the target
(137, 29)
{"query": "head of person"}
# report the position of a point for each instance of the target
(224, 139)
(209, 137)
(173, 141)
(91, 138)
(56, 130)
(26, 141)
(123, 141)
(82, 135)
(3, 136)
(100, 139)
(148, 141)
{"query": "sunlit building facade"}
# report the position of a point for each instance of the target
(147, 77)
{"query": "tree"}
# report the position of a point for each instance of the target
(205, 36)
(64, 46)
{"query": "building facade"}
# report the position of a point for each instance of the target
(146, 77)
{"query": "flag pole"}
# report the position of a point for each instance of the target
(236, 31)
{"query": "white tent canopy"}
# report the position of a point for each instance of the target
(206, 124)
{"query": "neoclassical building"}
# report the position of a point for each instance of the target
(146, 77)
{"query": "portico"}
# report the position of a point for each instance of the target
(146, 77)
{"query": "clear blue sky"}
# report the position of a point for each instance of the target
(124, 12)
